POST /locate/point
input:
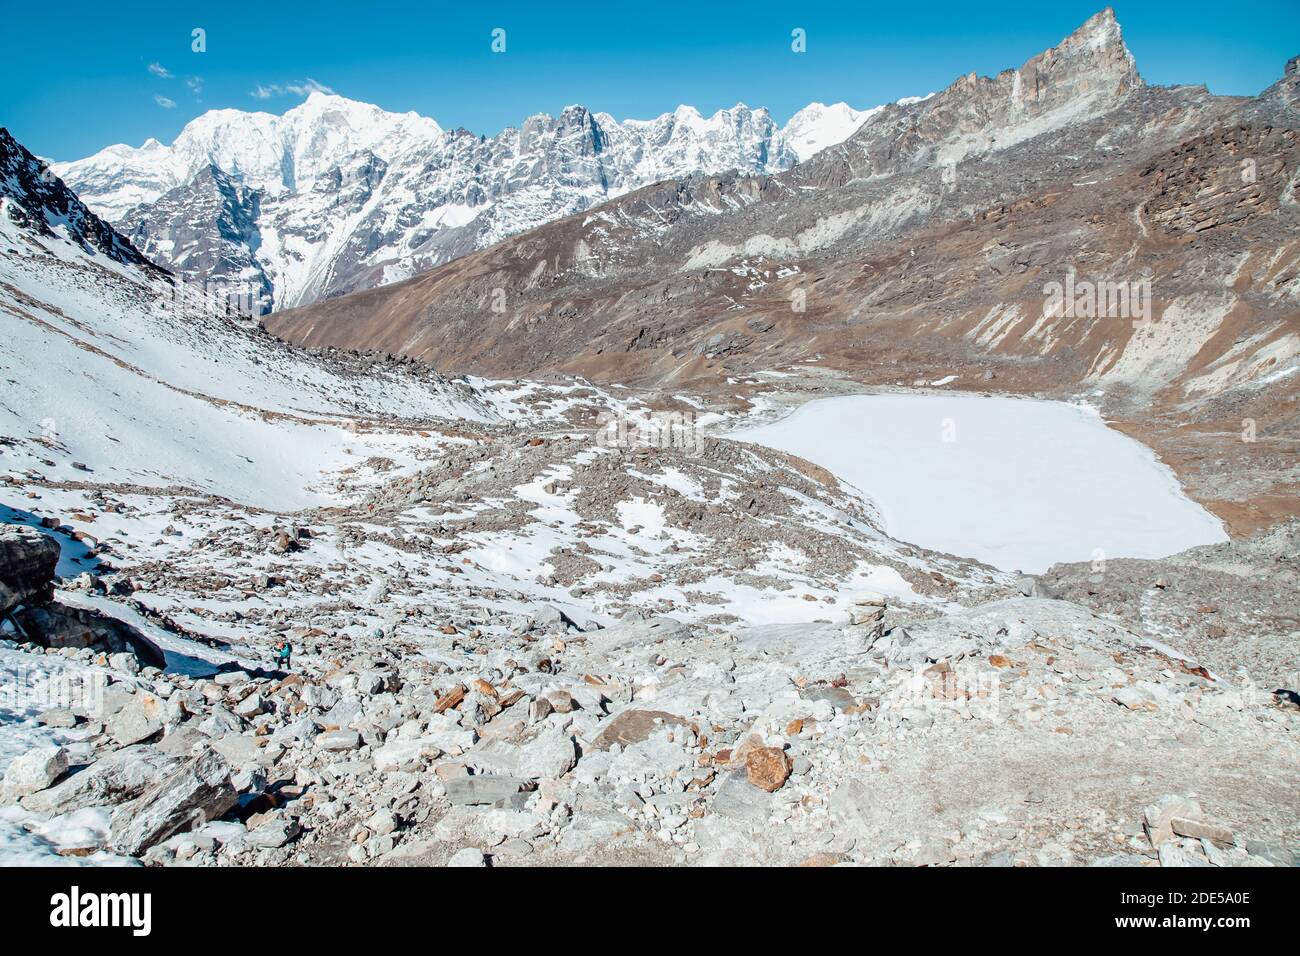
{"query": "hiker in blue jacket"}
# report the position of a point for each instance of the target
(283, 650)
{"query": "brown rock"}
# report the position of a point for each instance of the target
(633, 726)
(1160, 815)
(450, 699)
(767, 768)
(511, 697)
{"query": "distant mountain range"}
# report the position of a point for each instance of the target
(337, 196)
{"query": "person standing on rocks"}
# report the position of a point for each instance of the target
(283, 652)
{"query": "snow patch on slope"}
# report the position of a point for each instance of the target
(148, 395)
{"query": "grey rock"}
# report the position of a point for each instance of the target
(57, 717)
(181, 741)
(196, 792)
(933, 853)
(468, 857)
(605, 828)
(116, 778)
(303, 729)
(1172, 855)
(551, 618)
(236, 749)
(250, 706)
(273, 833)
(27, 563)
(481, 791)
(338, 740)
(838, 697)
(1275, 853)
(542, 751)
(627, 634)
(139, 720)
(124, 662)
(514, 848)
(221, 722)
(34, 770)
(739, 801)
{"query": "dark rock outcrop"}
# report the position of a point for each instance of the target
(27, 563)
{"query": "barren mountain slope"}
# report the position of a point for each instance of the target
(928, 243)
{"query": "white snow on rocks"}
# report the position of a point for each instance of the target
(818, 126)
(333, 176)
(154, 396)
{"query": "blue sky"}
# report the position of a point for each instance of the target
(77, 76)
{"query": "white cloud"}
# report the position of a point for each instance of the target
(195, 83)
(164, 102)
(265, 91)
(157, 69)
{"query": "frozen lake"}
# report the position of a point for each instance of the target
(1016, 483)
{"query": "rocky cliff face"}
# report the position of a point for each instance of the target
(665, 269)
(1087, 74)
(207, 228)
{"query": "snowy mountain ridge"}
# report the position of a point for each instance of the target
(818, 126)
(32, 198)
(337, 195)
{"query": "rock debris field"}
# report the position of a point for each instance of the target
(533, 648)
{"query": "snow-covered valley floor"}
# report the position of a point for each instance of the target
(1017, 483)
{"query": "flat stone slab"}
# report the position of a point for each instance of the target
(481, 790)
(632, 727)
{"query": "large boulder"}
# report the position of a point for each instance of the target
(27, 564)
(115, 778)
(196, 792)
(632, 726)
(34, 770)
(539, 752)
(767, 768)
(59, 625)
(139, 720)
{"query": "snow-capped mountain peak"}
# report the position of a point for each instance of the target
(337, 195)
(817, 126)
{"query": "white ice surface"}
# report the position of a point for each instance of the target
(1022, 485)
